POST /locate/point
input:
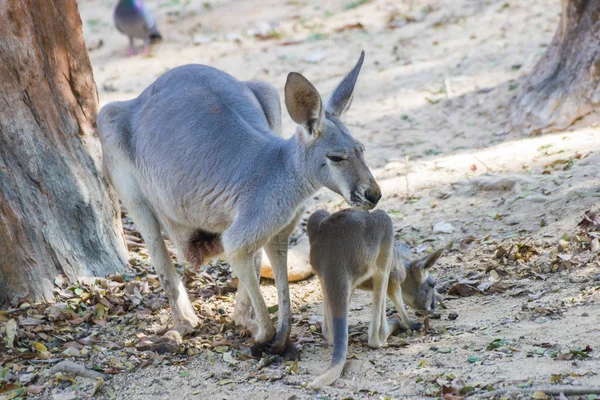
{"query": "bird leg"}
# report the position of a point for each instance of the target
(146, 51)
(131, 50)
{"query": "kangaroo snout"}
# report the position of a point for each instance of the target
(366, 199)
(373, 194)
(433, 305)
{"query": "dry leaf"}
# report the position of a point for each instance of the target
(463, 290)
(97, 386)
(10, 333)
(40, 347)
(356, 25)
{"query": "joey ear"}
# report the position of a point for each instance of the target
(341, 98)
(428, 261)
(303, 102)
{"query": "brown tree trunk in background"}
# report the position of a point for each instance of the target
(565, 83)
(57, 215)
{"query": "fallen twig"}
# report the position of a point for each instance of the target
(484, 164)
(50, 361)
(71, 368)
(566, 390)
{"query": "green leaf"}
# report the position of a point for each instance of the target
(313, 37)
(220, 349)
(422, 364)
(497, 343)
(555, 378)
(473, 359)
(467, 389)
(273, 309)
(580, 354)
(185, 374)
(354, 4)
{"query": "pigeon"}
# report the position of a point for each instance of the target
(134, 19)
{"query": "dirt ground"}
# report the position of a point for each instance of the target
(430, 105)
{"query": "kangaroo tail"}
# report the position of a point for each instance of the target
(340, 350)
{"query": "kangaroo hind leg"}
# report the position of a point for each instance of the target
(184, 316)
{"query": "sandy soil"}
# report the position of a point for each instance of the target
(430, 106)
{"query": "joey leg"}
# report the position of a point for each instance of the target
(326, 328)
(407, 323)
(380, 281)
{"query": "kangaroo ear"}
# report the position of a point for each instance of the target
(341, 98)
(312, 225)
(428, 261)
(303, 103)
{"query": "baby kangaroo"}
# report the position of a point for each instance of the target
(355, 249)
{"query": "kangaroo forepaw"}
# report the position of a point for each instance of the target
(416, 326)
(262, 337)
(280, 342)
(283, 348)
(402, 326)
(288, 353)
(258, 349)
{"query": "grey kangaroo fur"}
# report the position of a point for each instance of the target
(355, 249)
(198, 154)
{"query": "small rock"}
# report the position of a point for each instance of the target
(452, 316)
(71, 352)
(537, 198)
(597, 278)
(95, 44)
(563, 244)
(315, 57)
(228, 358)
(443, 227)
(197, 40)
(233, 37)
(64, 396)
(25, 379)
(595, 245)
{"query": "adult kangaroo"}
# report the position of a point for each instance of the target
(198, 154)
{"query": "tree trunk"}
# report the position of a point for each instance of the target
(564, 84)
(57, 214)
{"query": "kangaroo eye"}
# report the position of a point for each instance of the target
(335, 158)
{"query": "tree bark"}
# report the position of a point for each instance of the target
(564, 84)
(57, 214)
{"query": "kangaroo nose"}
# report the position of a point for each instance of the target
(433, 305)
(373, 195)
